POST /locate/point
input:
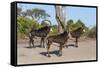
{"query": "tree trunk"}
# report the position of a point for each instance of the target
(60, 17)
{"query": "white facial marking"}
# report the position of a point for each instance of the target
(84, 30)
(51, 30)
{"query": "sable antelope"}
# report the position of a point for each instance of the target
(60, 39)
(76, 34)
(42, 33)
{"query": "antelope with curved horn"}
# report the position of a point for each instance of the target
(42, 33)
(60, 39)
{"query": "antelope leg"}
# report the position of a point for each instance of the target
(30, 42)
(60, 50)
(48, 48)
(76, 42)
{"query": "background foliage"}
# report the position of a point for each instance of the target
(32, 19)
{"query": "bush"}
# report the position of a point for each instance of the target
(92, 32)
(54, 30)
(24, 25)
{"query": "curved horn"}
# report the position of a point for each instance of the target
(48, 21)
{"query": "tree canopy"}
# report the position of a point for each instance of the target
(30, 20)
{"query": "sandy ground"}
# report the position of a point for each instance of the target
(85, 51)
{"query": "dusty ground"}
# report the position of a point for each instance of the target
(85, 51)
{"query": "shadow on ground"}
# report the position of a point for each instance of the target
(56, 52)
(39, 46)
(70, 45)
(35, 46)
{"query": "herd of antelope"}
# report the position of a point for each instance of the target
(61, 38)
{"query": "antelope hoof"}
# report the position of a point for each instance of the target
(76, 46)
(43, 46)
(66, 46)
(30, 47)
(49, 56)
(63, 46)
(60, 55)
(34, 47)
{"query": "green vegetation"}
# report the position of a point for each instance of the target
(72, 26)
(24, 25)
(34, 19)
(91, 33)
(54, 30)
(29, 20)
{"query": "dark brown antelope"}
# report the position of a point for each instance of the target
(76, 34)
(42, 33)
(60, 39)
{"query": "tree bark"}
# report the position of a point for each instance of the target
(60, 17)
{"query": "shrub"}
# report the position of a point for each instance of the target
(24, 25)
(92, 32)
